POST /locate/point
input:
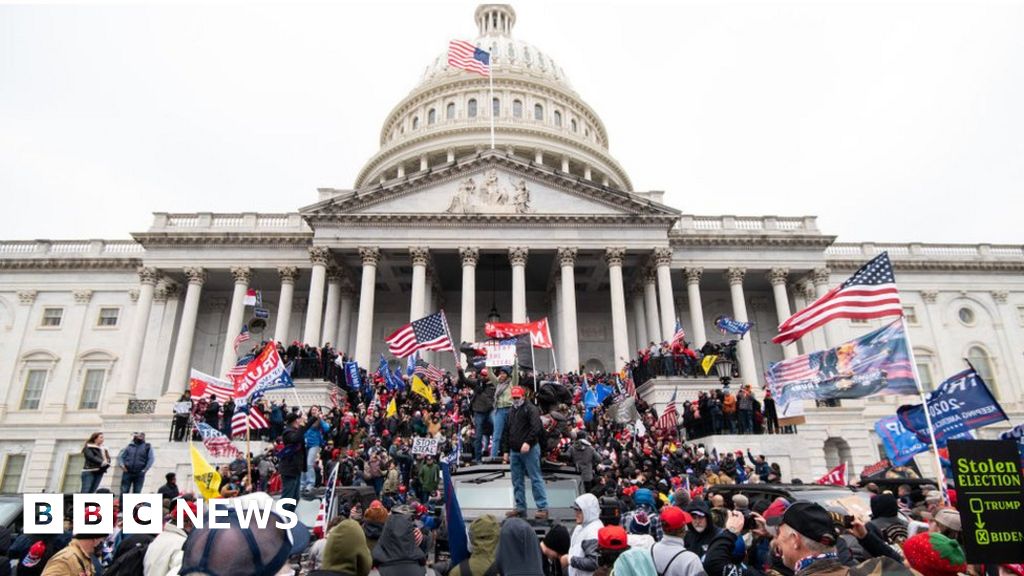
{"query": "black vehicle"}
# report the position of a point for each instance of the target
(853, 500)
(11, 512)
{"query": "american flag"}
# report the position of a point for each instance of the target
(257, 421)
(427, 371)
(669, 417)
(870, 293)
(203, 386)
(466, 56)
(427, 333)
(216, 443)
(238, 369)
(242, 337)
(680, 334)
(327, 502)
(627, 377)
(797, 369)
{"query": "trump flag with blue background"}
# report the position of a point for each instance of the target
(961, 403)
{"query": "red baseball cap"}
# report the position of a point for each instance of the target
(518, 392)
(674, 517)
(612, 538)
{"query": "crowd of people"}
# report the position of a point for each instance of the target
(649, 505)
(678, 358)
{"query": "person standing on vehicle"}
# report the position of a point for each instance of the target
(522, 438)
(483, 409)
(503, 385)
(135, 459)
(97, 460)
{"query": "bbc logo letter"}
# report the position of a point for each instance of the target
(142, 514)
(92, 514)
(44, 513)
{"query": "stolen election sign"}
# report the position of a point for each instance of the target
(990, 498)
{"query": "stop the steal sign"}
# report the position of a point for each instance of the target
(990, 499)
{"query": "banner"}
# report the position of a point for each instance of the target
(834, 477)
(182, 408)
(961, 403)
(425, 446)
(876, 363)
(989, 496)
(265, 373)
(728, 325)
(458, 544)
(201, 386)
(791, 414)
(352, 378)
(538, 331)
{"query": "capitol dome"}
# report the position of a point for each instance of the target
(537, 114)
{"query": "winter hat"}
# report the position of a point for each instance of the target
(641, 523)
(773, 514)
(376, 514)
(558, 539)
(643, 496)
(346, 551)
(740, 502)
(933, 554)
(884, 506)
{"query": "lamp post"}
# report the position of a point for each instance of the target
(723, 367)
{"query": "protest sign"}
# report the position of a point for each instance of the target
(501, 355)
(987, 476)
(182, 408)
(425, 446)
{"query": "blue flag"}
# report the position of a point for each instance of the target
(1016, 433)
(458, 544)
(604, 391)
(410, 364)
(352, 379)
(590, 401)
(391, 379)
(961, 403)
(901, 444)
(728, 325)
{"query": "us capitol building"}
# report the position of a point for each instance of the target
(100, 335)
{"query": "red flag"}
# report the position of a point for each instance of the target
(835, 476)
(538, 331)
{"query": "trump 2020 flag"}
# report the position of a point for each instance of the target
(265, 373)
(352, 378)
(458, 544)
(876, 363)
(961, 403)
(834, 477)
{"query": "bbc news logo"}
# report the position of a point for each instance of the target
(143, 513)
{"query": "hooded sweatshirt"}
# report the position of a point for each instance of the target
(583, 545)
(483, 540)
(698, 542)
(346, 551)
(518, 550)
(396, 553)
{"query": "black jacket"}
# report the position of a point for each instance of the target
(292, 459)
(483, 392)
(522, 426)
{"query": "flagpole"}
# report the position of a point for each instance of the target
(248, 452)
(533, 363)
(927, 413)
(490, 79)
(444, 317)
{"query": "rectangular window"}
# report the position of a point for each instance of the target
(10, 475)
(911, 314)
(52, 317)
(924, 370)
(72, 482)
(92, 389)
(34, 383)
(108, 316)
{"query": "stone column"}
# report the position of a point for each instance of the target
(517, 257)
(570, 335)
(288, 276)
(319, 256)
(815, 339)
(470, 257)
(663, 261)
(345, 322)
(364, 327)
(640, 319)
(699, 337)
(620, 339)
(778, 277)
(744, 350)
(140, 326)
(559, 323)
(417, 303)
(181, 365)
(330, 333)
(236, 316)
(651, 305)
(821, 276)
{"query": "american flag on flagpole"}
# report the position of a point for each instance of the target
(257, 421)
(679, 335)
(236, 371)
(427, 333)
(216, 443)
(242, 337)
(465, 56)
(870, 293)
(669, 417)
(427, 371)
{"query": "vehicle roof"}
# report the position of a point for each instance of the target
(490, 468)
(779, 487)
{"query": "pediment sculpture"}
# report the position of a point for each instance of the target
(490, 197)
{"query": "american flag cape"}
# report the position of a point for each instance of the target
(465, 56)
(427, 333)
(870, 293)
(216, 443)
(669, 416)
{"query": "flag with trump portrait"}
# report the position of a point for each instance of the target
(876, 363)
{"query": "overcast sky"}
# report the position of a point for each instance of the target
(891, 123)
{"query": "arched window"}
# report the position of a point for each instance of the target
(415, 122)
(572, 124)
(979, 358)
(517, 108)
(471, 108)
(449, 113)
(558, 118)
(538, 112)
(495, 107)
(431, 116)
(837, 450)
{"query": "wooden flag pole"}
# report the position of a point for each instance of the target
(927, 414)
(248, 452)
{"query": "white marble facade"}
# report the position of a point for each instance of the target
(546, 224)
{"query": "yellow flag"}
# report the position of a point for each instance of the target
(392, 408)
(708, 362)
(423, 390)
(207, 478)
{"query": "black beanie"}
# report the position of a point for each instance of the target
(558, 539)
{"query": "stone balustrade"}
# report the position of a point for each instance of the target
(692, 224)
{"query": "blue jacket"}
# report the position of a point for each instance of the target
(137, 458)
(315, 434)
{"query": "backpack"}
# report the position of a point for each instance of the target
(653, 563)
(131, 553)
